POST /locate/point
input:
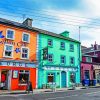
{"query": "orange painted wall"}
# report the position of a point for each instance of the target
(18, 38)
(15, 82)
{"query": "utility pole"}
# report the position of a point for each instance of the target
(79, 32)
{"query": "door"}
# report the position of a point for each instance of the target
(63, 79)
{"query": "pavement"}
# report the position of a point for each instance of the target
(80, 94)
(36, 91)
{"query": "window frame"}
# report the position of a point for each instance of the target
(73, 60)
(23, 37)
(13, 34)
(64, 59)
(61, 45)
(24, 72)
(51, 42)
(52, 58)
(70, 47)
(5, 49)
(22, 50)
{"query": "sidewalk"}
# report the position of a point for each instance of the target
(36, 91)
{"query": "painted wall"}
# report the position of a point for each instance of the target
(57, 52)
(18, 39)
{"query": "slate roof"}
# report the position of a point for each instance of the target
(20, 25)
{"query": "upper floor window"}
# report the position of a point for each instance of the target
(24, 53)
(50, 57)
(63, 59)
(26, 37)
(72, 60)
(62, 45)
(71, 47)
(50, 42)
(88, 59)
(10, 34)
(8, 50)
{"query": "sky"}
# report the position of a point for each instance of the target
(58, 16)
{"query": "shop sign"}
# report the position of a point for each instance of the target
(15, 74)
(96, 66)
(61, 69)
(17, 64)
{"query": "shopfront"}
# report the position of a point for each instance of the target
(97, 73)
(62, 77)
(16, 77)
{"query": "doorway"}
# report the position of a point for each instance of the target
(5, 80)
(63, 79)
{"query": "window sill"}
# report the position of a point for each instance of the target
(62, 48)
(22, 84)
(9, 39)
(7, 57)
(50, 46)
(26, 41)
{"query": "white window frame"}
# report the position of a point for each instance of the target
(13, 34)
(28, 52)
(5, 49)
(23, 36)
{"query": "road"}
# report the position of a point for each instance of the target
(85, 94)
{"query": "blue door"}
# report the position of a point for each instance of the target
(63, 79)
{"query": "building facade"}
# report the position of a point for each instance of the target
(90, 65)
(62, 65)
(17, 55)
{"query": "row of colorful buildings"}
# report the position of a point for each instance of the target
(42, 57)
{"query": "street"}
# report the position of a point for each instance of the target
(84, 94)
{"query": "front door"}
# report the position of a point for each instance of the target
(63, 79)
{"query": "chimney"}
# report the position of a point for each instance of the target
(28, 22)
(95, 46)
(65, 34)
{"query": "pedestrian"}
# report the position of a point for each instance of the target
(29, 87)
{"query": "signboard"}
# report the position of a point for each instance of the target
(15, 74)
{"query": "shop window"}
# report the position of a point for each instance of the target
(23, 77)
(8, 50)
(72, 78)
(50, 42)
(26, 37)
(62, 45)
(88, 59)
(25, 53)
(63, 59)
(87, 76)
(10, 34)
(50, 78)
(50, 57)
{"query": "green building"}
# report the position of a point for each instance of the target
(63, 64)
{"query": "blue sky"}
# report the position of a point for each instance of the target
(57, 16)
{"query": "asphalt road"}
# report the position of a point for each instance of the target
(85, 94)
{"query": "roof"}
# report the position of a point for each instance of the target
(90, 49)
(41, 31)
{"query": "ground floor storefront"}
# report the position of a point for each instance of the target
(17, 77)
(61, 77)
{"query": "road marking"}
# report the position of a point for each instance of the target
(93, 93)
(61, 97)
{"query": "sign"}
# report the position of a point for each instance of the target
(1, 36)
(15, 74)
(45, 53)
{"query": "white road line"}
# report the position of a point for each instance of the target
(91, 93)
(60, 97)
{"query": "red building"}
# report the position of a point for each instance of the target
(90, 65)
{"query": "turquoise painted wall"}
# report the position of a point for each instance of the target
(57, 52)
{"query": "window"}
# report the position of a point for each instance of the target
(63, 59)
(8, 51)
(23, 77)
(62, 45)
(50, 78)
(50, 42)
(26, 37)
(10, 34)
(50, 57)
(88, 59)
(71, 47)
(25, 53)
(87, 76)
(72, 60)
